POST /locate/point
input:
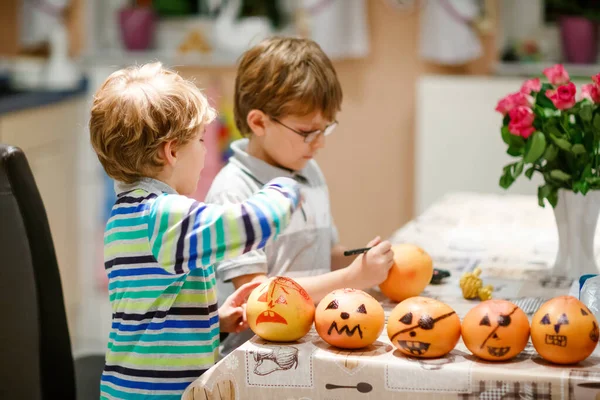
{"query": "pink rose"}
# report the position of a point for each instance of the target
(591, 92)
(563, 97)
(596, 79)
(531, 85)
(514, 100)
(521, 121)
(557, 75)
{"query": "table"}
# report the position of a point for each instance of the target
(511, 239)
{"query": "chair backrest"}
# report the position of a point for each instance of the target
(35, 347)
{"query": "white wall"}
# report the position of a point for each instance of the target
(458, 146)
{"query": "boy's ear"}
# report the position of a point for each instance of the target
(257, 121)
(168, 152)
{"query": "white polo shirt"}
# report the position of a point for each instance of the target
(304, 248)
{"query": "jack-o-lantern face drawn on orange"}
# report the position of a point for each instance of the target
(349, 319)
(280, 310)
(564, 330)
(495, 330)
(423, 327)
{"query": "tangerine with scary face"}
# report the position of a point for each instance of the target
(280, 310)
(564, 330)
(349, 319)
(423, 327)
(495, 330)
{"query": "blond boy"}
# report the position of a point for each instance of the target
(147, 126)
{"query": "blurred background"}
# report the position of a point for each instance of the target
(420, 78)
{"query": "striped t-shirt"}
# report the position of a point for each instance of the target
(159, 251)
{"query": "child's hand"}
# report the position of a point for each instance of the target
(373, 267)
(232, 314)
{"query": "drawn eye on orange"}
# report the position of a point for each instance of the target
(281, 300)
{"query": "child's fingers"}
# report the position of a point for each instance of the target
(384, 247)
(241, 294)
(374, 242)
(244, 316)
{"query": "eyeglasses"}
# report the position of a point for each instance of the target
(309, 137)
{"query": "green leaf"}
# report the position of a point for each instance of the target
(529, 172)
(551, 153)
(506, 135)
(553, 129)
(535, 147)
(514, 152)
(586, 112)
(581, 186)
(506, 181)
(543, 192)
(593, 181)
(559, 175)
(578, 149)
(518, 169)
(517, 141)
(507, 178)
(585, 188)
(561, 143)
(597, 121)
(587, 171)
(541, 98)
(553, 197)
(548, 113)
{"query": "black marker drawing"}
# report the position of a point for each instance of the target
(594, 332)
(362, 387)
(556, 340)
(426, 322)
(345, 329)
(278, 358)
(502, 321)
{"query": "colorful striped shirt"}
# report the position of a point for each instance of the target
(159, 252)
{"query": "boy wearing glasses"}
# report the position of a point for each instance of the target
(287, 95)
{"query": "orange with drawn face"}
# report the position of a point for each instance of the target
(423, 327)
(280, 310)
(564, 331)
(495, 330)
(349, 319)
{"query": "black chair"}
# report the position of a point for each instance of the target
(35, 348)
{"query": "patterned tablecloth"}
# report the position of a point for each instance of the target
(513, 241)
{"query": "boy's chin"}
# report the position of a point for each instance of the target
(298, 165)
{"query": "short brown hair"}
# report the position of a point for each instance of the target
(285, 76)
(135, 111)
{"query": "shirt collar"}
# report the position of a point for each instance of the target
(258, 169)
(148, 184)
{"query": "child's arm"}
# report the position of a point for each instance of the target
(366, 271)
(185, 234)
(338, 259)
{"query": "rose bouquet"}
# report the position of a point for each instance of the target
(553, 131)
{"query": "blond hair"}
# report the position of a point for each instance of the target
(138, 109)
(285, 76)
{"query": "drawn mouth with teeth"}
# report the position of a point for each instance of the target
(556, 340)
(498, 351)
(345, 329)
(414, 347)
